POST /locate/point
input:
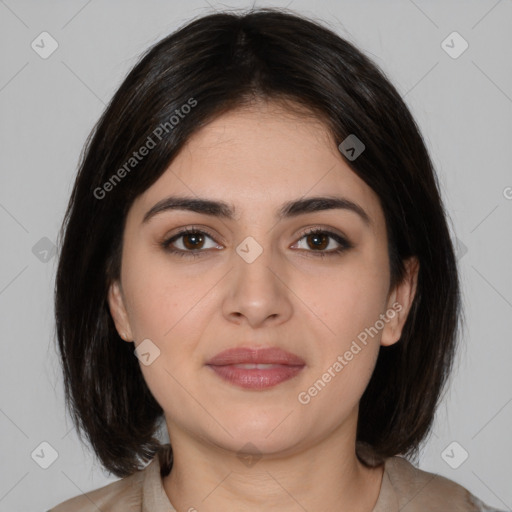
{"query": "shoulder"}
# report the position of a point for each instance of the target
(418, 490)
(123, 495)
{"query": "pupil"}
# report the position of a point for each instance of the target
(195, 237)
(316, 237)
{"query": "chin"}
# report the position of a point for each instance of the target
(267, 433)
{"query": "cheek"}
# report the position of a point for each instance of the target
(161, 297)
(350, 302)
(349, 299)
(166, 307)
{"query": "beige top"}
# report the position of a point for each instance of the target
(404, 488)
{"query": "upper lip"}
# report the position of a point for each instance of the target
(243, 355)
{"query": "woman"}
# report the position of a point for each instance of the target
(256, 258)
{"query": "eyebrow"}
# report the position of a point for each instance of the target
(225, 211)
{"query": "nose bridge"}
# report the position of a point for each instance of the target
(253, 260)
(257, 289)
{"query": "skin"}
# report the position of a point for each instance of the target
(192, 308)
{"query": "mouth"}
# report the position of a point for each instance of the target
(256, 369)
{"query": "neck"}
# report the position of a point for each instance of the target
(326, 475)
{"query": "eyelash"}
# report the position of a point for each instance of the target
(345, 244)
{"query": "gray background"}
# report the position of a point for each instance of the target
(48, 106)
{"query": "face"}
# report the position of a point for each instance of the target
(255, 280)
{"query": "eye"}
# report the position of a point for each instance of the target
(192, 242)
(318, 239)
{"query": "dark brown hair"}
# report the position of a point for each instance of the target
(214, 64)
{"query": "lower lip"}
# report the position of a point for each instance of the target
(256, 378)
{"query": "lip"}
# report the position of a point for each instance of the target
(243, 355)
(281, 365)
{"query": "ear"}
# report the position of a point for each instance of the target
(118, 311)
(399, 301)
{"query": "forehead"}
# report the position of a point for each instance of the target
(258, 159)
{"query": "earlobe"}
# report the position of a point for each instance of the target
(118, 311)
(400, 302)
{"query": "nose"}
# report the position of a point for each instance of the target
(257, 291)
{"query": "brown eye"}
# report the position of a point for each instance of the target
(318, 241)
(189, 242)
(193, 240)
(321, 242)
